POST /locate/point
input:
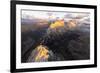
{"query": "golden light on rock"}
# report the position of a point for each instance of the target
(58, 23)
(42, 53)
(72, 23)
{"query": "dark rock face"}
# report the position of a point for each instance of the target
(71, 45)
(65, 45)
(28, 42)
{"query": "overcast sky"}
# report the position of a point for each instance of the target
(45, 14)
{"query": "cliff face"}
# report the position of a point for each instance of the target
(63, 44)
(59, 40)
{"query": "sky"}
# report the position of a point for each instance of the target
(46, 14)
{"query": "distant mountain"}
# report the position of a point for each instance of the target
(33, 24)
